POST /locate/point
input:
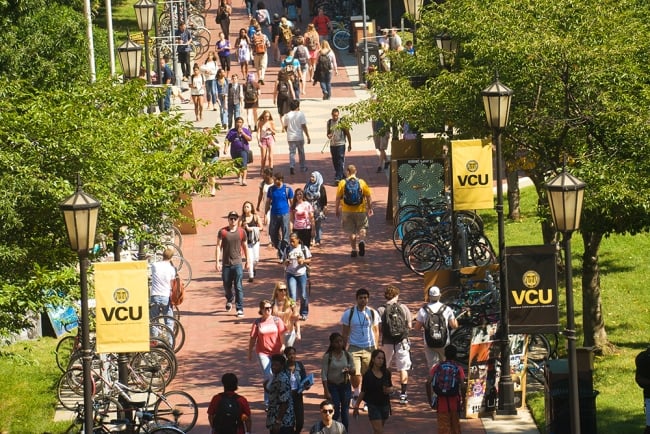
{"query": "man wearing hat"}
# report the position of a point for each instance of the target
(231, 242)
(435, 307)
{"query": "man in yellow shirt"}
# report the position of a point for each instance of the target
(354, 205)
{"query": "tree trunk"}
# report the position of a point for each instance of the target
(592, 311)
(514, 212)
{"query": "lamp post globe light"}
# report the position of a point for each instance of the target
(80, 213)
(447, 45)
(565, 197)
(144, 13)
(496, 101)
(130, 55)
(413, 8)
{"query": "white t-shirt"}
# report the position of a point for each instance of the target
(361, 324)
(293, 122)
(448, 314)
(162, 273)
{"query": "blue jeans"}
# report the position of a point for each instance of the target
(279, 222)
(318, 228)
(223, 109)
(297, 286)
(265, 365)
(159, 305)
(298, 145)
(234, 111)
(211, 91)
(326, 83)
(167, 100)
(338, 161)
(341, 394)
(233, 274)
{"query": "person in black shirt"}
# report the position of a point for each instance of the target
(642, 377)
(376, 389)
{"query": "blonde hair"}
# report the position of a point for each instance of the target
(325, 46)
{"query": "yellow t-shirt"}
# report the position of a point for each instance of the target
(353, 208)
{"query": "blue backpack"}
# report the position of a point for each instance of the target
(352, 193)
(446, 379)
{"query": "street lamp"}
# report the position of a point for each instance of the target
(496, 100)
(413, 8)
(565, 195)
(446, 44)
(80, 214)
(144, 13)
(130, 55)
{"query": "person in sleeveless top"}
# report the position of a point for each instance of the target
(250, 222)
(266, 139)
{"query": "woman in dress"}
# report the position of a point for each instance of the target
(243, 45)
(239, 138)
(337, 366)
(266, 339)
(316, 195)
(222, 95)
(302, 217)
(376, 388)
(197, 90)
(209, 70)
(286, 308)
(312, 42)
(266, 138)
(297, 373)
(251, 223)
(223, 50)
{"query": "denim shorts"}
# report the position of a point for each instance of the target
(378, 412)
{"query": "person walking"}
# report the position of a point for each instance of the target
(642, 378)
(183, 49)
(431, 313)
(302, 217)
(280, 418)
(325, 65)
(260, 52)
(295, 124)
(376, 390)
(447, 381)
(297, 259)
(167, 79)
(283, 92)
(336, 369)
(327, 424)
(316, 194)
(223, 51)
(266, 138)
(222, 86)
(197, 90)
(337, 135)
(360, 329)
(354, 206)
(162, 274)
(286, 308)
(381, 137)
(251, 98)
(266, 340)
(312, 42)
(395, 326)
(235, 99)
(239, 139)
(231, 242)
(223, 16)
(209, 70)
(220, 418)
(299, 383)
(243, 46)
(250, 222)
(265, 184)
(322, 25)
(278, 202)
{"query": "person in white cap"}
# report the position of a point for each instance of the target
(431, 317)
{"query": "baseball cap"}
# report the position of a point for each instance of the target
(233, 214)
(276, 17)
(434, 291)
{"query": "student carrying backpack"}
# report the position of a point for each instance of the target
(324, 62)
(250, 93)
(394, 324)
(435, 327)
(227, 418)
(259, 43)
(352, 193)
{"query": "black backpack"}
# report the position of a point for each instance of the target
(250, 93)
(435, 328)
(352, 193)
(324, 62)
(283, 88)
(394, 324)
(227, 419)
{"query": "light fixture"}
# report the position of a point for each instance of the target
(446, 44)
(413, 9)
(130, 55)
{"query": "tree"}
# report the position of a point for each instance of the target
(580, 79)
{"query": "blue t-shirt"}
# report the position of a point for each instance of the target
(280, 197)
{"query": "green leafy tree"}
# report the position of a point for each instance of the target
(579, 74)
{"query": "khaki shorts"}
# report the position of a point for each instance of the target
(360, 358)
(353, 222)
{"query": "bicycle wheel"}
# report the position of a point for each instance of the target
(162, 331)
(69, 389)
(166, 430)
(156, 358)
(341, 40)
(177, 327)
(461, 338)
(536, 371)
(177, 408)
(539, 349)
(480, 253)
(422, 257)
(64, 350)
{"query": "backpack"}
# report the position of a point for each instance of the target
(446, 379)
(250, 93)
(394, 324)
(227, 418)
(178, 291)
(311, 43)
(352, 193)
(292, 12)
(302, 54)
(287, 34)
(259, 43)
(324, 62)
(283, 88)
(435, 328)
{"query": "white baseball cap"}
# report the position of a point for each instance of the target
(434, 291)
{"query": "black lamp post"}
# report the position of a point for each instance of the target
(565, 195)
(80, 214)
(144, 13)
(413, 8)
(130, 55)
(446, 44)
(496, 100)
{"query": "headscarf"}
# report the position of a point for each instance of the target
(312, 189)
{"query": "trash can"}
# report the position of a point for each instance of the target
(558, 406)
(373, 58)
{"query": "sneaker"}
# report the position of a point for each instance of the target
(362, 248)
(228, 307)
(353, 401)
(379, 169)
(402, 399)
(250, 280)
(261, 82)
(386, 164)
(240, 313)
(353, 254)
(303, 317)
(304, 169)
(292, 171)
(365, 407)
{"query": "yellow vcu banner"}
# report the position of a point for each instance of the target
(122, 312)
(472, 174)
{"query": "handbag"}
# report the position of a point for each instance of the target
(250, 156)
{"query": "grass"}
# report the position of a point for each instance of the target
(28, 397)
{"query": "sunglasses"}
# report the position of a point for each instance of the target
(282, 289)
(327, 411)
(267, 308)
(232, 218)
